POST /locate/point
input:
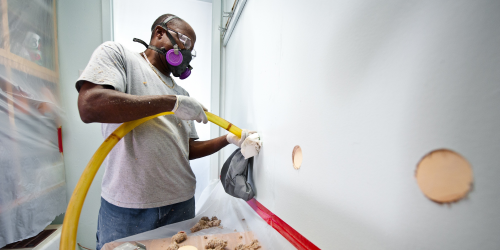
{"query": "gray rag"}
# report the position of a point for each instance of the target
(236, 176)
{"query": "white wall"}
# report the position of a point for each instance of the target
(215, 130)
(199, 15)
(79, 31)
(367, 88)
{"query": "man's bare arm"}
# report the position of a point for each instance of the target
(98, 103)
(198, 149)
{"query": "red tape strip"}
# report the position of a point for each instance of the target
(59, 139)
(294, 237)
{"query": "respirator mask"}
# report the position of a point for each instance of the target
(177, 59)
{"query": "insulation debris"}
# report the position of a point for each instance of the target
(217, 248)
(179, 237)
(205, 223)
(253, 246)
(216, 244)
(174, 246)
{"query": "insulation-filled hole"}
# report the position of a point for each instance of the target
(444, 176)
(297, 157)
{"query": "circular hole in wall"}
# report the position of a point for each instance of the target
(444, 176)
(297, 157)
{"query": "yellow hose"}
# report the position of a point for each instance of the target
(71, 219)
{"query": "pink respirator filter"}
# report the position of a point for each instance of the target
(185, 74)
(173, 59)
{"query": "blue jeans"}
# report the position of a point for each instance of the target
(116, 222)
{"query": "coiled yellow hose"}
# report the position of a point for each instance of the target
(71, 219)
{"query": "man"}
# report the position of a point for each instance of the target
(148, 182)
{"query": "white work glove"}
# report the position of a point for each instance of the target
(188, 108)
(231, 138)
(251, 146)
(249, 142)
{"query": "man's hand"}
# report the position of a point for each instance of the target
(231, 138)
(187, 108)
(249, 142)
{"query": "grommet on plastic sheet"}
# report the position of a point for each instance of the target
(297, 157)
(444, 176)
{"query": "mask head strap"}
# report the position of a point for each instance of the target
(172, 40)
(151, 47)
(170, 37)
(168, 19)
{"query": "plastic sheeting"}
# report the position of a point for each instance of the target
(32, 180)
(231, 211)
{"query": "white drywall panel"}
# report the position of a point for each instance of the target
(367, 88)
(79, 29)
(133, 19)
(215, 130)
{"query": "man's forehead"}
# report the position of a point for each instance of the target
(185, 29)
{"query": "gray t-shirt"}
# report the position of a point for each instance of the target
(149, 167)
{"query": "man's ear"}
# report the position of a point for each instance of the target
(159, 32)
